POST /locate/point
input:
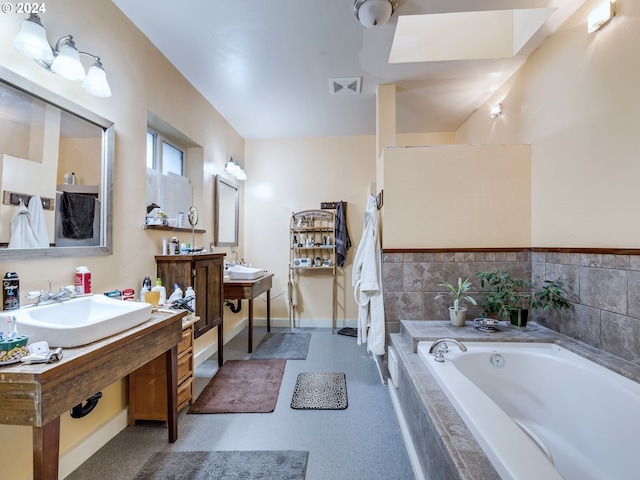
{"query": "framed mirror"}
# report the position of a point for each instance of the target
(62, 154)
(226, 213)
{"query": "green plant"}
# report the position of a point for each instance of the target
(550, 296)
(459, 293)
(504, 293)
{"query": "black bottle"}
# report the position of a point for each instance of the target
(10, 291)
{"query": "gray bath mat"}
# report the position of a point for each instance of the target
(320, 391)
(226, 465)
(291, 346)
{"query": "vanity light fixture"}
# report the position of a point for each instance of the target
(234, 169)
(63, 59)
(496, 110)
(373, 13)
(601, 15)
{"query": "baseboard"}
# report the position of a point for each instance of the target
(406, 436)
(305, 323)
(93, 442)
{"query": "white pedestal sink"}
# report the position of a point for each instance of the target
(79, 321)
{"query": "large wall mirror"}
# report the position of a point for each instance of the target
(61, 154)
(226, 213)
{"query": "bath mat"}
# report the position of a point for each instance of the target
(320, 391)
(226, 465)
(292, 346)
(348, 331)
(242, 386)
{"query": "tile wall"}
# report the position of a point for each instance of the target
(603, 287)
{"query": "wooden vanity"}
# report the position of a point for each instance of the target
(37, 395)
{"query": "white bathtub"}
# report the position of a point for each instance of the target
(540, 411)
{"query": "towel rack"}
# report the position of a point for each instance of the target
(13, 198)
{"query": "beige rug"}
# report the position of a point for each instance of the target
(242, 386)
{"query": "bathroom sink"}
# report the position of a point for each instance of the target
(239, 272)
(80, 321)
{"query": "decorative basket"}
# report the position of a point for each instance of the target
(13, 349)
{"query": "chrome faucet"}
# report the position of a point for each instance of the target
(440, 347)
(44, 298)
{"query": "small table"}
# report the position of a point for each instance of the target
(250, 289)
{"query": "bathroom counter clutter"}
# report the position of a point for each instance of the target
(37, 395)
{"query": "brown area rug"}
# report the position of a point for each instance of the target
(242, 386)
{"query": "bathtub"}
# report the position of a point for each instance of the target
(540, 411)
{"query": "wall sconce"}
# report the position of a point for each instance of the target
(63, 59)
(600, 16)
(372, 13)
(234, 169)
(496, 110)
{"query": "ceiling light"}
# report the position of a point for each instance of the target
(496, 110)
(372, 13)
(63, 59)
(234, 169)
(600, 16)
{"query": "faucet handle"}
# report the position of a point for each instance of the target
(35, 294)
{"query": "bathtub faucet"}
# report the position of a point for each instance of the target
(440, 347)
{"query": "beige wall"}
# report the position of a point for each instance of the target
(577, 101)
(456, 196)
(141, 79)
(291, 175)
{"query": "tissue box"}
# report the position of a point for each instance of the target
(13, 349)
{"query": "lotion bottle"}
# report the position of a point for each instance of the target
(191, 295)
(163, 291)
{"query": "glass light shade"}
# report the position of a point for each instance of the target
(96, 82)
(373, 13)
(600, 16)
(32, 42)
(67, 63)
(242, 175)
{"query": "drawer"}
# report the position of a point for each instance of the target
(185, 366)
(185, 393)
(187, 340)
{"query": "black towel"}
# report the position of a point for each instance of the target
(78, 212)
(343, 242)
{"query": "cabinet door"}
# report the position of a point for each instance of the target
(209, 290)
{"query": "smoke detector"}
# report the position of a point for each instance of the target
(345, 86)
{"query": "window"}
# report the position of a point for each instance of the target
(164, 156)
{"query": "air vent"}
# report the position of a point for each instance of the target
(345, 86)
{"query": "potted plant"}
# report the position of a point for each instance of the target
(506, 296)
(509, 297)
(458, 313)
(550, 296)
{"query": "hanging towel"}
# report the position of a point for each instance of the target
(38, 223)
(343, 242)
(366, 279)
(78, 212)
(22, 235)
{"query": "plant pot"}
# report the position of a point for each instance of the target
(519, 317)
(457, 317)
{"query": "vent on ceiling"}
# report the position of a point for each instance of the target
(345, 86)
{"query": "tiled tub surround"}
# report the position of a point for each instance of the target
(603, 287)
(445, 447)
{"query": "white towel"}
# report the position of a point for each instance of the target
(22, 235)
(38, 222)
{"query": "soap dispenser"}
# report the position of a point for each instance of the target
(163, 291)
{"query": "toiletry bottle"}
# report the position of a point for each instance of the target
(191, 295)
(163, 291)
(164, 246)
(10, 291)
(66, 179)
(73, 178)
(176, 295)
(146, 287)
(174, 248)
(83, 280)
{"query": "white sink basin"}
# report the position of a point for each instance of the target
(80, 321)
(239, 272)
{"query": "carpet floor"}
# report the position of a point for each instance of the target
(225, 465)
(242, 386)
